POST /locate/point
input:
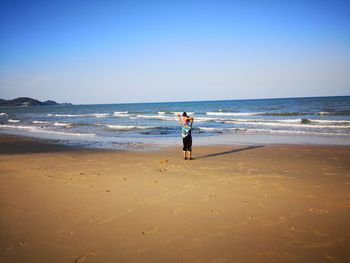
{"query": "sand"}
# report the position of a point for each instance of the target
(274, 203)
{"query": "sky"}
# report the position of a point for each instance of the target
(92, 52)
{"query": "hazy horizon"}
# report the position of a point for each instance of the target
(106, 52)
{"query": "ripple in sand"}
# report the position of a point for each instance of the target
(320, 233)
(82, 258)
(318, 211)
(151, 231)
(16, 245)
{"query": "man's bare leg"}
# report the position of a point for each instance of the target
(190, 155)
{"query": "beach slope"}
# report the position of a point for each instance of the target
(280, 203)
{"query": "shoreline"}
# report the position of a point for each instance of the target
(274, 203)
(157, 143)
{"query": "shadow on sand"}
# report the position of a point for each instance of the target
(228, 152)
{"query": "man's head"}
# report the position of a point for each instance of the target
(184, 114)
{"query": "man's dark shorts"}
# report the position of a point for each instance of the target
(187, 142)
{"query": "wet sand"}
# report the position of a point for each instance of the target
(274, 203)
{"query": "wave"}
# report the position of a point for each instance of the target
(101, 115)
(212, 129)
(121, 114)
(300, 125)
(3, 113)
(20, 127)
(156, 117)
(129, 127)
(268, 131)
(97, 115)
(41, 130)
(68, 115)
(63, 124)
(334, 113)
(11, 120)
(40, 122)
(234, 113)
(188, 113)
(285, 113)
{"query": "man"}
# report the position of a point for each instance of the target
(186, 125)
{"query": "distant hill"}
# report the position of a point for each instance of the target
(24, 101)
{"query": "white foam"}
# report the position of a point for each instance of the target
(210, 129)
(11, 120)
(252, 130)
(161, 112)
(121, 114)
(40, 122)
(330, 121)
(69, 115)
(323, 113)
(314, 126)
(188, 113)
(156, 117)
(62, 124)
(97, 115)
(128, 127)
(234, 113)
(290, 132)
(67, 133)
(207, 119)
(3, 113)
(40, 130)
(20, 127)
(101, 115)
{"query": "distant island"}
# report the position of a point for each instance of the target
(24, 101)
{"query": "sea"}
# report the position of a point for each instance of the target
(324, 120)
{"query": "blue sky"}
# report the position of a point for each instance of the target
(143, 51)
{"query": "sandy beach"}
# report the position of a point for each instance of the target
(269, 203)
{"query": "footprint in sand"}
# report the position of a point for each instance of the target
(210, 197)
(318, 211)
(16, 245)
(151, 231)
(331, 258)
(320, 233)
(85, 256)
(68, 234)
(163, 165)
(297, 229)
(214, 212)
(175, 211)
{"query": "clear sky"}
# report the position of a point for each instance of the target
(142, 51)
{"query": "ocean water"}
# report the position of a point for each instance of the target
(113, 125)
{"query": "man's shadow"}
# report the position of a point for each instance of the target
(228, 152)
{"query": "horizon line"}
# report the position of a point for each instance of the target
(187, 101)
